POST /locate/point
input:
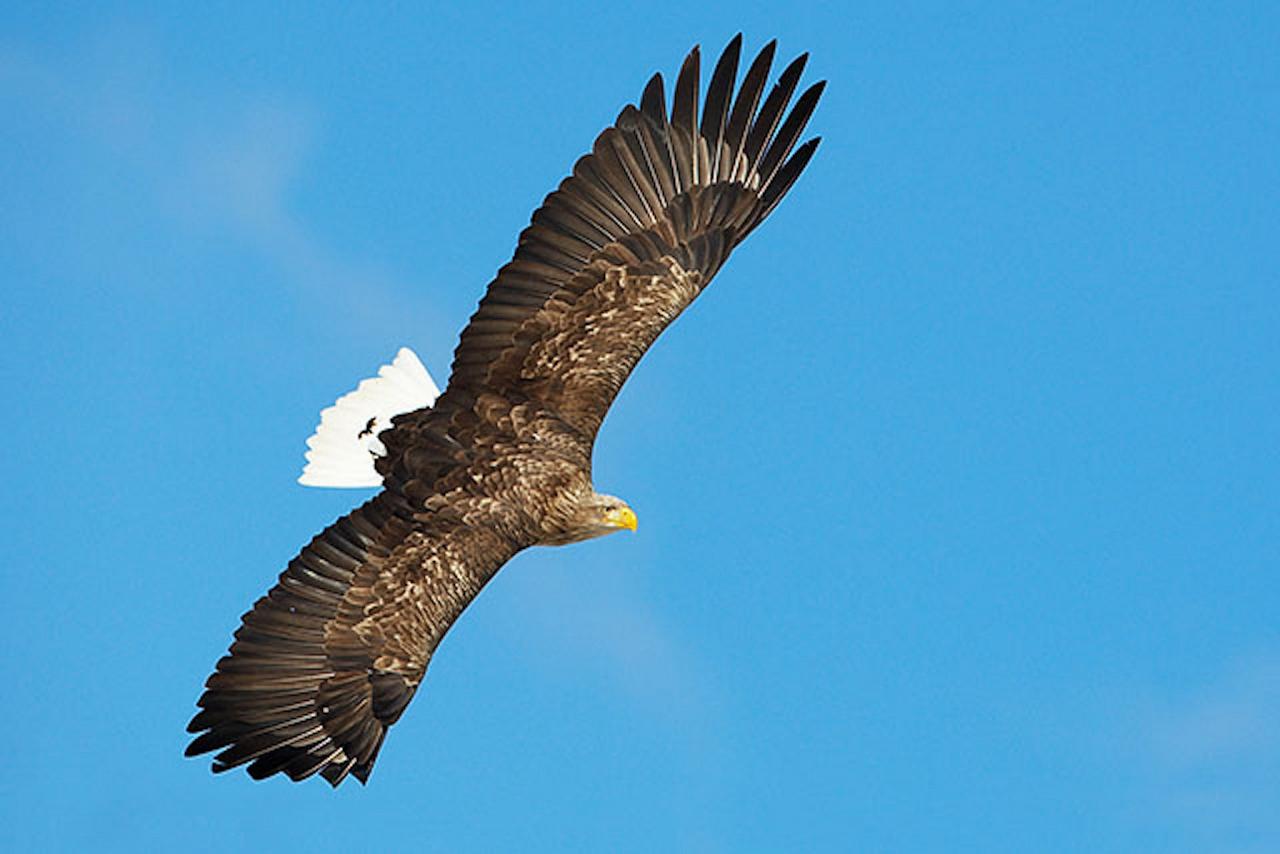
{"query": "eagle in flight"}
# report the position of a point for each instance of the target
(501, 460)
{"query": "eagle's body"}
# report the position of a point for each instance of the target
(501, 461)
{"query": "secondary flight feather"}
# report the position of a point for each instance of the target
(328, 660)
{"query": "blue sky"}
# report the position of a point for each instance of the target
(958, 490)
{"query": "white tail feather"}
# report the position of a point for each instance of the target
(342, 450)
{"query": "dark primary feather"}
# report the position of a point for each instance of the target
(331, 656)
(717, 109)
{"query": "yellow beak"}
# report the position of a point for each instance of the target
(622, 517)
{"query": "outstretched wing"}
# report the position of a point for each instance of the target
(328, 660)
(632, 237)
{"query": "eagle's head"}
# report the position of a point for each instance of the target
(596, 515)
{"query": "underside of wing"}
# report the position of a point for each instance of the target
(326, 662)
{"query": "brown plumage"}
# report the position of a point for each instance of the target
(330, 657)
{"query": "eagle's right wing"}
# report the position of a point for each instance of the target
(330, 657)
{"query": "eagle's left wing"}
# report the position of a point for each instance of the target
(632, 237)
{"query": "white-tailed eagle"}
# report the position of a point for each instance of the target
(501, 460)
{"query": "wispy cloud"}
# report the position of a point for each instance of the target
(613, 627)
(1236, 719)
(214, 160)
(1213, 756)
